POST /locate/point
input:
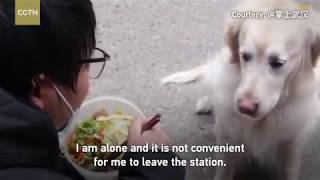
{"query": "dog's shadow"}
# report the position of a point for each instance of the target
(252, 171)
(247, 170)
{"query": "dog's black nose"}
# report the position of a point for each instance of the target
(248, 106)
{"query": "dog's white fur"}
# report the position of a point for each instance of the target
(287, 96)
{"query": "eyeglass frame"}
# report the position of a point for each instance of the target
(106, 57)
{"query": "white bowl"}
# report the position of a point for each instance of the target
(109, 103)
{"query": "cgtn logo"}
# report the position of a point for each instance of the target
(28, 12)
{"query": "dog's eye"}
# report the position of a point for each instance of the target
(246, 56)
(275, 62)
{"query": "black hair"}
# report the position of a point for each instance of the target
(66, 35)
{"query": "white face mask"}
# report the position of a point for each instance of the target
(74, 113)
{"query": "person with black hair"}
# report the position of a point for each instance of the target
(44, 72)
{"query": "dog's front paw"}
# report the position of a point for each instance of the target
(178, 78)
(188, 76)
(222, 178)
(204, 106)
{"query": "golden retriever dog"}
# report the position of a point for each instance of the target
(263, 87)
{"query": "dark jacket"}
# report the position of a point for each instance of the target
(29, 148)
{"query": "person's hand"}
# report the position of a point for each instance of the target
(155, 135)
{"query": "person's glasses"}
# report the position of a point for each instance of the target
(97, 62)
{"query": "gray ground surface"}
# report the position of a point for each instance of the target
(151, 39)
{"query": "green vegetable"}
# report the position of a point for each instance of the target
(105, 129)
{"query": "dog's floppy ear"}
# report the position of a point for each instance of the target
(315, 48)
(231, 38)
(315, 41)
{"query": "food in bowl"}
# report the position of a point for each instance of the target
(99, 130)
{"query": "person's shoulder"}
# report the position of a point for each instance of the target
(31, 173)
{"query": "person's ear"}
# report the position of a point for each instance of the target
(231, 38)
(39, 85)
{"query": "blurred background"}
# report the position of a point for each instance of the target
(149, 39)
